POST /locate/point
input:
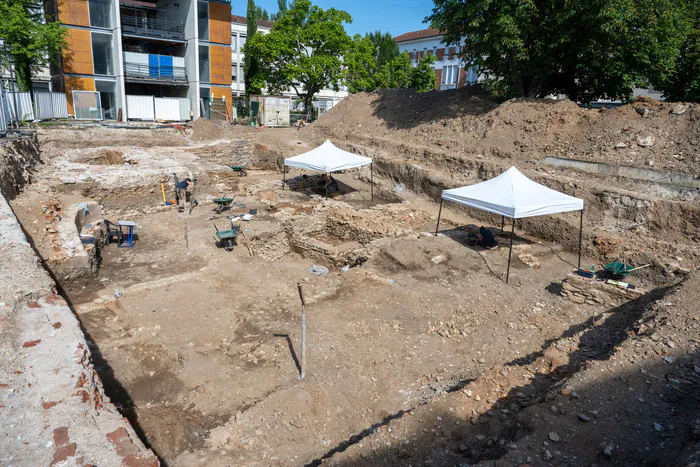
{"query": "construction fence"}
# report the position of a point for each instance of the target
(20, 107)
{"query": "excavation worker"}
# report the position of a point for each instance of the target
(181, 192)
(486, 238)
(331, 183)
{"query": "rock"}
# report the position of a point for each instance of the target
(658, 427)
(438, 259)
(646, 141)
(643, 111)
(607, 452)
(567, 391)
(620, 145)
(679, 109)
(547, 455)
(463, 448)
(583, 417)
(553, 436)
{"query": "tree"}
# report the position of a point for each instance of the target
(586, 49)
(34, 42)
(261, 13)
(282, 7)
(251, 64)
(303, 51)
(372, 62)
(684, 83)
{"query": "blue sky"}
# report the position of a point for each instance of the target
(395, 16)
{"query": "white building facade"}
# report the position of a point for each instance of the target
(449, 69)
(324, 100)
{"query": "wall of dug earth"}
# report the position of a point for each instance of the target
(53, 408)
(667, 220)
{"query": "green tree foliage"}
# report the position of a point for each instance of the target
(34, 42)
(684, 83)
(303, 51)
(373, 62)
(282, 7)
(262, 13)
(586, 49)
(251, 63)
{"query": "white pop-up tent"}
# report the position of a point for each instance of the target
(328, 158)
(513, 195)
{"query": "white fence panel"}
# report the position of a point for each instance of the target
(60, 105)
(3, 114)
(185, 108)
(43, 105)
(50, 105)
(167, 109)
(24, 102)
(140, 108)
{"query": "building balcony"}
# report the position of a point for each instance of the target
(136, 24)
(139, 72)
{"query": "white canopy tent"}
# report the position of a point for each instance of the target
(513, 195)
(328, 158)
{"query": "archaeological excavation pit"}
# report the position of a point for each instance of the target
(417, 351)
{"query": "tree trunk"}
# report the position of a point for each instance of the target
(308, 106)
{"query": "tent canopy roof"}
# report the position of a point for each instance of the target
(513, 195)
(327, 158)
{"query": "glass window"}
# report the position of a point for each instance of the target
(102, 54)
(100, 14)
(233, 72)
(204, 63)
(203, 20)
(242, 44)
(108, 98)
(233, 42)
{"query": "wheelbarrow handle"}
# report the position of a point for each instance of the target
(217, 229)
(640, 267)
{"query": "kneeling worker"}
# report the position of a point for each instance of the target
(486, 238)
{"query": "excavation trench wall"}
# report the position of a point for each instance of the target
(53, 408)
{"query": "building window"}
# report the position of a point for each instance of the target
(234, 72)
(100, 14)
(234, 43)
(203, 20)
(449, 74)
(204, 63)
(102, 55)
(241, 44)
(108, 98)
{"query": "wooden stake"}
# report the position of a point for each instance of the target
(250, 249)
(303, 332)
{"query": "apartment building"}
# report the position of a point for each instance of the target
(325, 99)
(449, 69)
(145, 59)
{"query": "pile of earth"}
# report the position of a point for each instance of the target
(468, 123)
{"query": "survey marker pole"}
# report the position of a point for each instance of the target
(303, 332)
(437, 226)
(510, 252)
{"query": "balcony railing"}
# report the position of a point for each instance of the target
(134, 24)
(155, 73)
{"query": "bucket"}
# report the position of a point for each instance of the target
(253, 211)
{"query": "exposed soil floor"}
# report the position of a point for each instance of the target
(200, 347)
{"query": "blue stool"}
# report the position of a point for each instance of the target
(126, 239)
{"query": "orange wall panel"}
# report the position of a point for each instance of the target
(218, 93)
(74, 12)
(220, 64)
(77, 57)
(76, 83)
(220, 23)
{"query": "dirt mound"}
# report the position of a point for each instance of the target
(208, 129)
(464, 123)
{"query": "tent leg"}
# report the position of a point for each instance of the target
(503, 222)
(438, 220)
(580, 239)
(371, 179)
(510, 252)
(284, 176)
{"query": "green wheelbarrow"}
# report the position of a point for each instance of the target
(618, 270)
(226, 238)
(240, 170)
(222, 203)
